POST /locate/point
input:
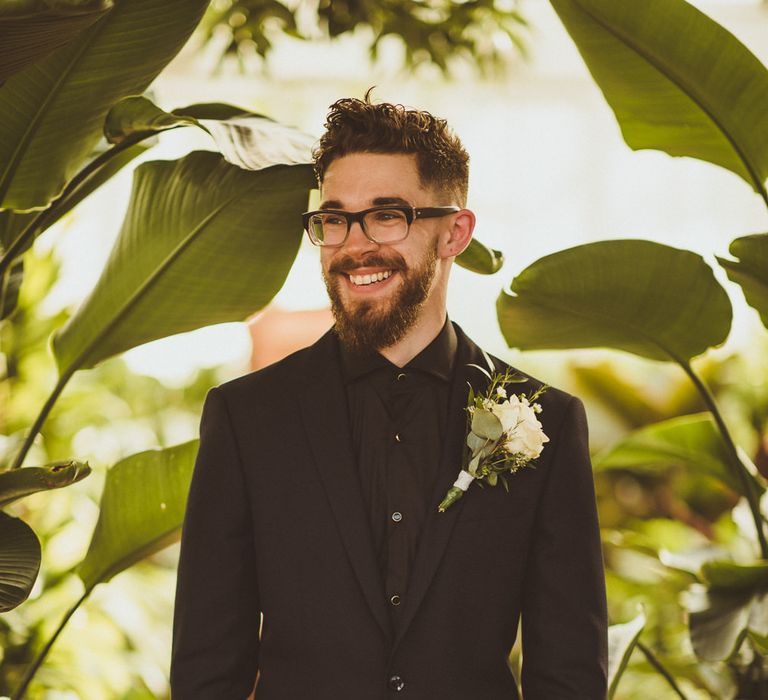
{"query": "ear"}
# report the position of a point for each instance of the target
(455, 238)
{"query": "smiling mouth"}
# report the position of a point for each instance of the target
(363, 280)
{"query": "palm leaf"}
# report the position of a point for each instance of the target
(203, 242)
(141, 510)
(19, 561)
(645, 298)
(53, 111)
(750, 270)
(676, 80)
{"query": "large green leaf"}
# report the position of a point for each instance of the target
(719, 622)
(53, 111)
(676, 80)
(31, 29)
(203, 242)
(643, 297)
(750, 270)
(141, 511)
(19, 561)
(622, 639)
(692, 442)
(17, 483)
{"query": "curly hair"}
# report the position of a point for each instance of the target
(355, 126)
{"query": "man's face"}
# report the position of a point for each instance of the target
(374, 315)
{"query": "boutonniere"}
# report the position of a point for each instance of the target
(503, 434)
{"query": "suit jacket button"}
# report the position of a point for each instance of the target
(396, 683)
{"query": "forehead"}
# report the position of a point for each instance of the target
(356, 179)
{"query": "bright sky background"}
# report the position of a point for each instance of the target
(549, 170)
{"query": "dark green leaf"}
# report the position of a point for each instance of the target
(750, 270)
(676, 80)
(19, 561)
(141, 510)
(204, 242)
(639, 296)
(18, 483)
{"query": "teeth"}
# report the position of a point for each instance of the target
(369, 279)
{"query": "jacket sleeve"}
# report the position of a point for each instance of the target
(564, 611)
(216, 617)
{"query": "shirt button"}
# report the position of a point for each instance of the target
(395, 599)
(397, 437)
(396, 683)
(401, 376)
(397, 516)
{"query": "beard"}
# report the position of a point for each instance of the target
(367, 326)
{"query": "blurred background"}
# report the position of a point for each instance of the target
(549, 170)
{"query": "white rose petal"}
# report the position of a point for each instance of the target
(525, 435)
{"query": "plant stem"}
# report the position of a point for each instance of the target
(658, 666)
(35, 429)
(35, 665)
(735, 462)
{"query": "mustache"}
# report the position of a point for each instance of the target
(347, 263)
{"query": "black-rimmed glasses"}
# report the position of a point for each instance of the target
(383, 224)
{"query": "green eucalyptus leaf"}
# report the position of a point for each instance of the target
(692, 442)
(475, 442)
(203, 242)
(622, 639)
(481, 259)
(486, 425)
(676, 80)
(639, 296)
(141, 510)
(31, 29)
(19, 561)
(17, 483)
(750, 271)
(53, 111)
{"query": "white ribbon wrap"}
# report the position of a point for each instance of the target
(464, 480)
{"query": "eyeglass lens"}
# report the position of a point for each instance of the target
(383, 225)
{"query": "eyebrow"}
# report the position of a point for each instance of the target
(377, 202)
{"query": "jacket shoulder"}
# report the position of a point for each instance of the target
(281, 377)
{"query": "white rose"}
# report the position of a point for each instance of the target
(524, 433)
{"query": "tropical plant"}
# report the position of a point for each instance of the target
(705, 98)
(483, 32)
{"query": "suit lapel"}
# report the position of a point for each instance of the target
(438, 526)
(324, 411)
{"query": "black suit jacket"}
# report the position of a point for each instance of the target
(275, 526)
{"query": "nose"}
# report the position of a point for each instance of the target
(357, 242)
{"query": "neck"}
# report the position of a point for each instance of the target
(421, 334)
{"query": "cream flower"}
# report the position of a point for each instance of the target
(523, 430)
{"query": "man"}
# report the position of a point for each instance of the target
(314, 561)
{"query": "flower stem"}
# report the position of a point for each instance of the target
(735, 463)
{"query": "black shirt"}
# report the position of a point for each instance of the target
(398, 419)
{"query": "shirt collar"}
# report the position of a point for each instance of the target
(435, 359)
